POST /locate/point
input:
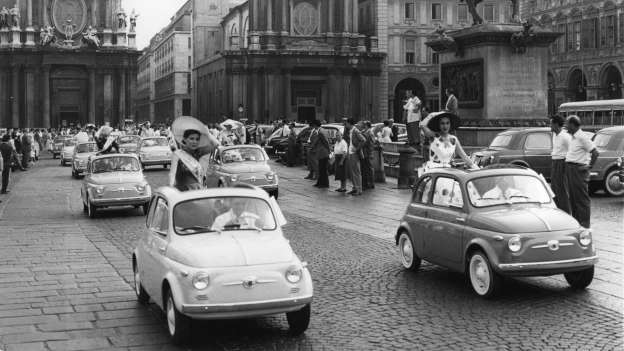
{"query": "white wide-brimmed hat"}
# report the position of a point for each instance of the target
(184, 123)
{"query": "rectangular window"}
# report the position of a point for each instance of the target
(588, 40)
(189, 42)
(189, 62)
(622, 27)
(561, 42)
(607, 32)
(410, 51)
(488, 12)
(435, 58)
(436, 12)
(571, 45)
(409, 10)
(577, 35)
(462, 13)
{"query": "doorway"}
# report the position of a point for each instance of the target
(306, 114)
(69, 119)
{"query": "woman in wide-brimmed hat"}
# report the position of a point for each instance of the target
(444, 146)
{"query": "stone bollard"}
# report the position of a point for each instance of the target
(409, 161)
(378, 165)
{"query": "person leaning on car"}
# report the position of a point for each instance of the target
(558, 180)
(580, 158)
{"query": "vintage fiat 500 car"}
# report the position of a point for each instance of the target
(492, 223)
(219, 254)
(67, 152)
(82, 152)
(154, 151)
(114, 180)
(247, 164)
(128, 144)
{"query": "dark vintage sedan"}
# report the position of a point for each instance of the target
(606, 173)
(492, 223)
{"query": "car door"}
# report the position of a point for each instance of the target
(537, 150)
(212, 177)
(417, 212)
(446, 223)
(156, 242)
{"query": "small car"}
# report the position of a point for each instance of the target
(154, 151)
(232, 165)
(219, 254)
(607, 170)
(277, 143)
(114, 180)
(128, 144)
(57, 145)
(82, 152)
(492, 223)
(67, 152)
(402, 137)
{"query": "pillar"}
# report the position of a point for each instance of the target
(346, 15)
(122, 95)
(108, 97)
(356, 15)
(15, 97)
(45, 82)
(269, 15)
(330, 16)
(4, 108)
(254, 16)
(44, 10)
(285, 18)
(94, 12)
(29, 97)
(30, 31)
(287, 94)
(92, 95)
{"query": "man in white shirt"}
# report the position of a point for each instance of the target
(558, 180)
(412, 107)
(580, 158)
(237, 216)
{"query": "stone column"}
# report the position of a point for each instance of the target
(287, 93)
(45, 82)
(15, 97)
(91, 95)
(285, 18)
(108, 98)
(94, 11)
(44, 10)
(254, 16)
(107, 33)
(271, 40)
(29, 97)
(4, 108)
(30, 31)
(330, 16)
(356, 16)
(122, 95)
(346, 28)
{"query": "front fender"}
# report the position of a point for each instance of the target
(483, 245)
(176, 289)
(403, 227)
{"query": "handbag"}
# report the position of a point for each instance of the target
(332, 158)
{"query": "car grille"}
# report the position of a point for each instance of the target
(254, 180)
(120, 192)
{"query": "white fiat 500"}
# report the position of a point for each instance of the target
(219, 254)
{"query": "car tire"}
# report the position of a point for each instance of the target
(612, 184)
(298, 321)
(409, 258)
(91, 209)
(85, 209)
(62, 163)
(178, 325)
(581, 279)
(483, 280)
(142, 295)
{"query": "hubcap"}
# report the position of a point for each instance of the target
(479, 274)
(613, 184)
(171, 315)
(407, 253)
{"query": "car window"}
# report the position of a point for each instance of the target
(82, 148)
(160, 219)
(502, 140)
(601, 140)
(243, 154)
(154, 142)
(423, 191)
(116, 164)
(507, 189)
(447, 193)
(538, 141)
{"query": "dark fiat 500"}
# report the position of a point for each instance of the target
(492, 223)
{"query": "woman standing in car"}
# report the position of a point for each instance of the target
(444, 146)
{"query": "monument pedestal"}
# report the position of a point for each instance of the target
(254, 41)
(497, 71)
(345, 43)
(132, 40)
(16, 37)
(4, 38)
(121, 39)
(361, 43)
(30, 37)
(107, 36)
(271, 41)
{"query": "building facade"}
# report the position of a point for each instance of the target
(294, 59)
(164, 75)
(66, 62)
(414, 66)
(587, 62)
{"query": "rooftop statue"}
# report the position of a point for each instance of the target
(133, 20)
(47, 36)
(4, 17)
(89, 36)
(15, 16)
(69, 29)
(122, 19)
(476, 18)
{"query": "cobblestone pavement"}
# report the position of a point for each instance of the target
(65, 282)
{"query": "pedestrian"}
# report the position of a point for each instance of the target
(291, 152)
(452, 104)
(311, 157)
(320, 148)
(395, 131)
(580, 158)
(26, 145)
(558, 178)
(385, 136)
(340, 159)
(413, 107)
(368, 172)
(8, 154)
(356, 142)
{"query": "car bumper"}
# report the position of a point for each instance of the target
(128, 201)
(547, 267)
(249, 309)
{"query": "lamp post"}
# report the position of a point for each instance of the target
(241, 112)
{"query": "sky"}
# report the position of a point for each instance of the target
(154, 15)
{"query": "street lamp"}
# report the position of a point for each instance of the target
(241, 111)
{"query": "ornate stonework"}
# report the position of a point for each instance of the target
(305, 19)
(74, 10)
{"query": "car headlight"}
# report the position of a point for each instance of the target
(514, 244)
(99, 190)
(141, 187)
(201, 281)
(271, 176)
(619, 162)
(122, 150)
(234, 178)
(294, 274)
(585, 238)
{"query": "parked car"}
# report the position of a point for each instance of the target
(526, 147)
(277, 143)
(402, 137)
(67, 152)
(607, 171)
(128, 144)
(82, 152)
(114, 180)
(232, 165)
(154, 151)
(221, 254)
(58, 144)
(492, 223)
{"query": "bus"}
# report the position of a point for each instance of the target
(599, 113)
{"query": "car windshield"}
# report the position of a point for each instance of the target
(69, 142)
(154, 142)
(502, 140)
(129, 139)
(602, 140)
(116, 164)
(82, 148)
(507, 189)
(242, 154)
(220, 214)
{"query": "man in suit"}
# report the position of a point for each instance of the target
(7, 153)
(368, 172)
(354, 155)
(26, 149)
(320, 148)
(311, 156)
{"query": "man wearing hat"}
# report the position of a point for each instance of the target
(7, 153)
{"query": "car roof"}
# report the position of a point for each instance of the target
(612, 130)
(484, 172)
(99, 157)
(154, 137)
(526, 130)
(175, 197)
(249, 146)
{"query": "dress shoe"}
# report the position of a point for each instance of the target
(322, 186)
(316, 185)
(4, 192)
(352, 192)
(308, 177)
(356, 193)
(340, 190)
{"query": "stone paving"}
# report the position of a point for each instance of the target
(65, 282)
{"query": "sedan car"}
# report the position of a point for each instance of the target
(155, 151)
(82, 152)
(114, 180)
(277, 143)
(128, 144)
(607, 170)
(67, 152)
(232, 165)
(219, 254)
(492, 223)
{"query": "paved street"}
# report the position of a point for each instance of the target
(65, 281)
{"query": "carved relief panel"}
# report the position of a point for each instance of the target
(305, 18)
(69, 16)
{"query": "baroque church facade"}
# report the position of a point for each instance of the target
(66, 63)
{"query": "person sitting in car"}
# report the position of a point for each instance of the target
(237, 216)
(502, 190)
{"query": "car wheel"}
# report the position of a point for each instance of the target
(142, 295)
(85, 209)
(62, 163)
(612, 183)
(580, 280)
(484, 281)
(409, 259)
(178, 325)
(91, 209)
(299, 321)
